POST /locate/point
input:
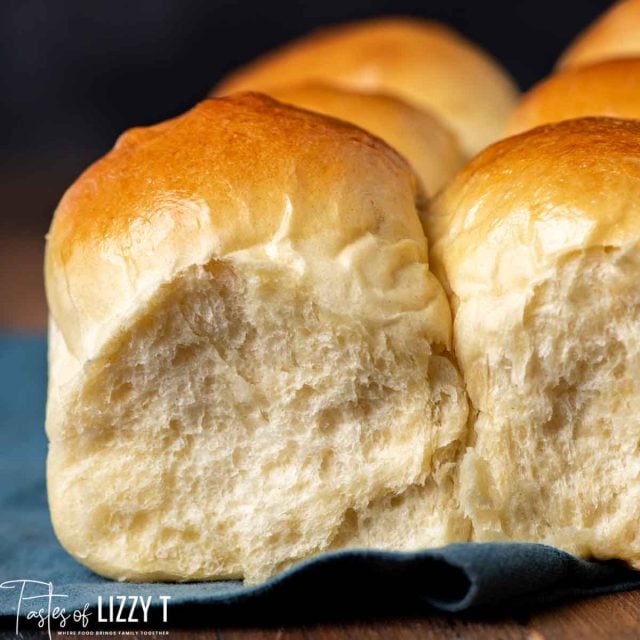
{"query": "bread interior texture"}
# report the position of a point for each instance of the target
(237, 426)
(554, 372)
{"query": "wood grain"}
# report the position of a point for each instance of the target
(613, 616)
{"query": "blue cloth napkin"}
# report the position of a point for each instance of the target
(457, 578)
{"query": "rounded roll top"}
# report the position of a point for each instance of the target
(529, 199)
(610, 88)
(232, 177)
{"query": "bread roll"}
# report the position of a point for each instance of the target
(615, 34)
(249, 356)
(430, 147)
(609, 88)
(538, 242)
(423, 62)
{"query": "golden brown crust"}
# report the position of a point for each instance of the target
(609, 88)
(615, 34)
(529, 199)
(140, 175)
(423, 62)
(230, 175)
(420, 137)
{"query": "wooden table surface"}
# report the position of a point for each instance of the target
(23, 308)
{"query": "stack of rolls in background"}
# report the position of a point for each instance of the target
(598, 75)
(424, 63)
(615, 34)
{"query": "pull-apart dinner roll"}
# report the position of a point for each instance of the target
(425, 63)
(609, 88)
(432, 150)
(249, 356)
(538, 241)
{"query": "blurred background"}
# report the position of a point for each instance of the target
(75, 73)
